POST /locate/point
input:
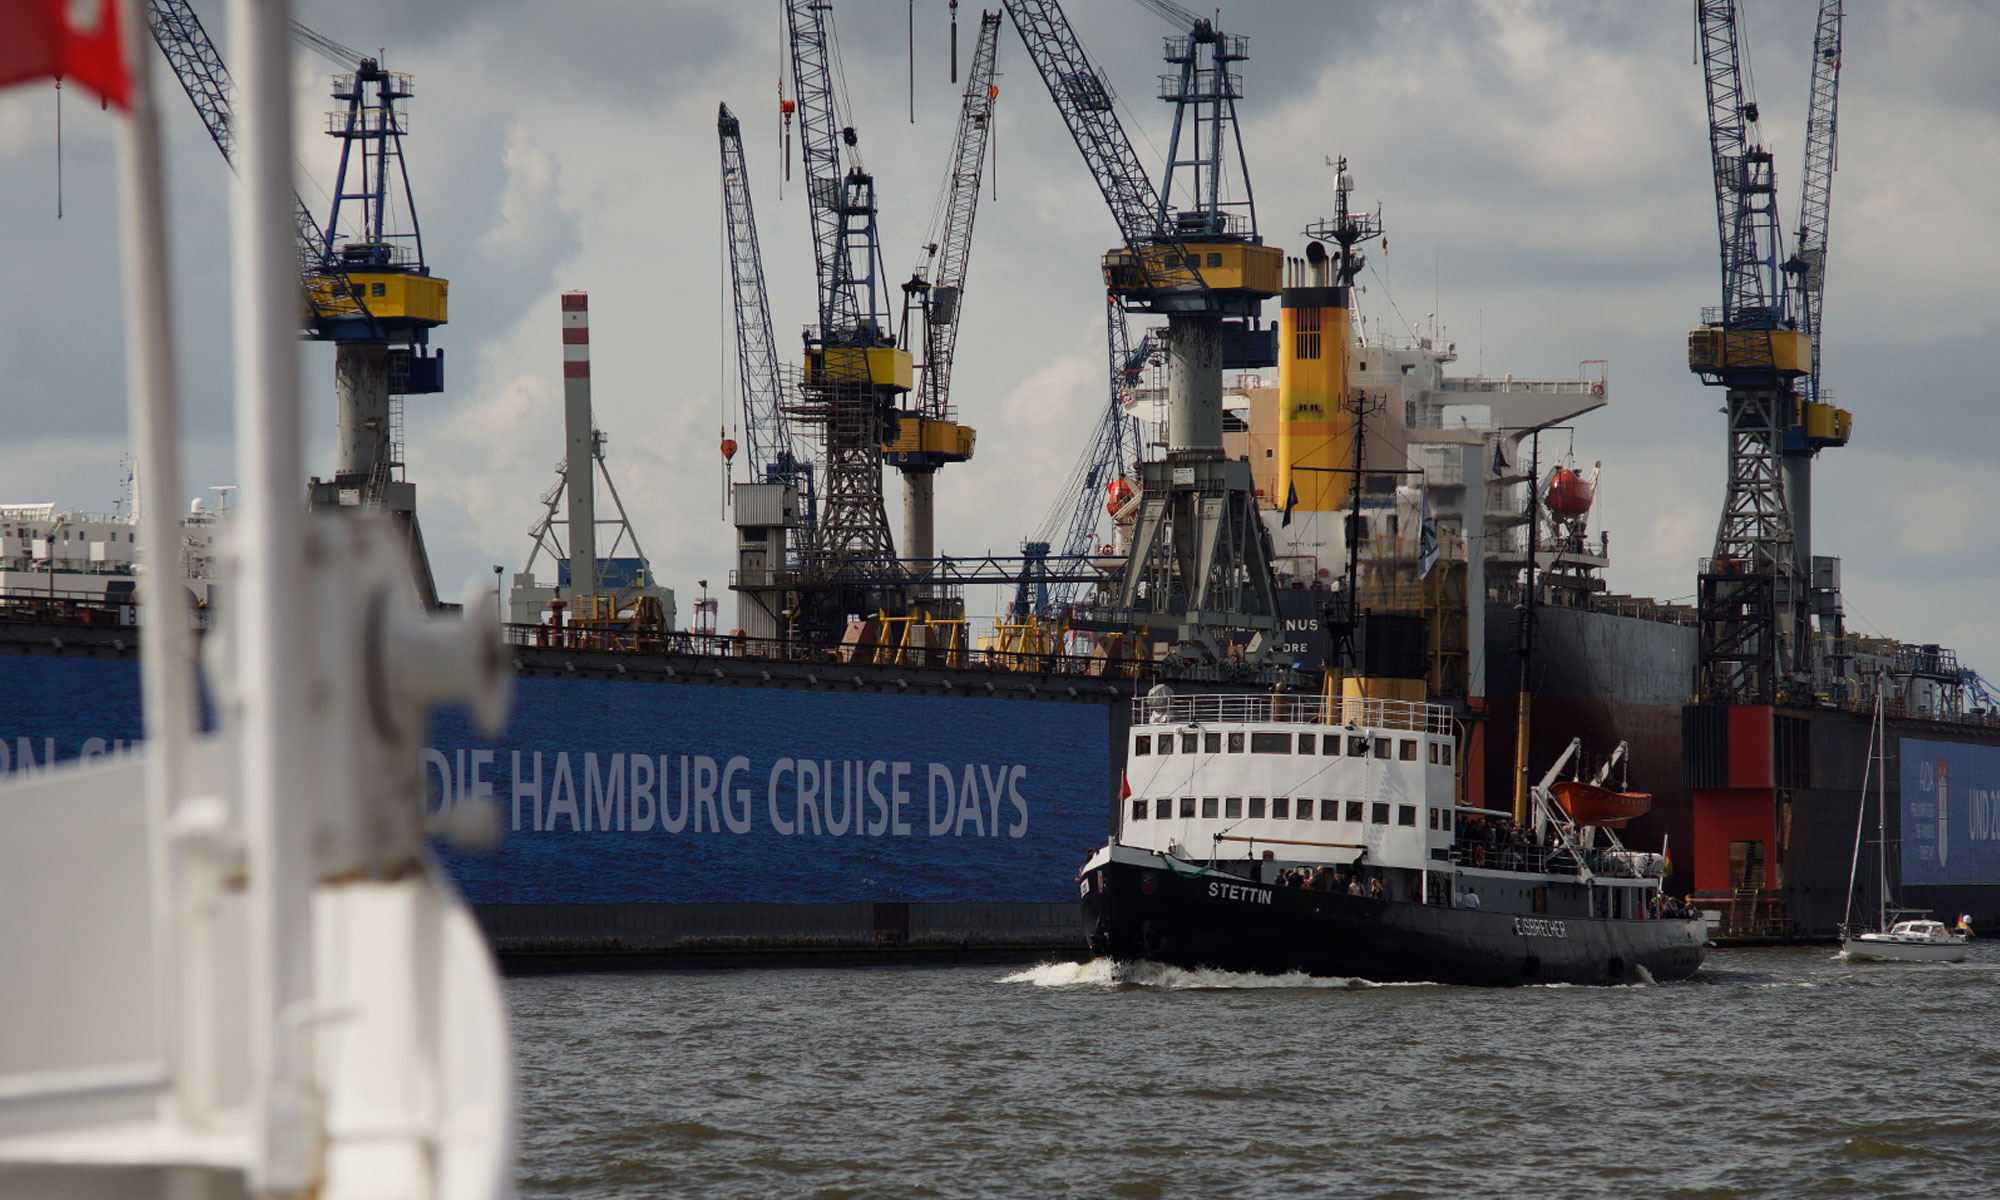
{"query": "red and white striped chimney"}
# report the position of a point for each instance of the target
(580, 471)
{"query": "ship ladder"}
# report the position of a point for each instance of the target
(1743, 913)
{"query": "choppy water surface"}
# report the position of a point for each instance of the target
(1773, 1073)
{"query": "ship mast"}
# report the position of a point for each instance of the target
(1525, 647)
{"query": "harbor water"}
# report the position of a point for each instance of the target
(1772, 1073)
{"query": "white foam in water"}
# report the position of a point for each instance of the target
(1104, 973)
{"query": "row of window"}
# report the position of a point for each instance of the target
(1328, 744)
(80, 535)
(1280, 809)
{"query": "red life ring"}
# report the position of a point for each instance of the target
(1597, 389)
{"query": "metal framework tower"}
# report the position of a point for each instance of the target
(1753, 593)
(1200, 560)
(854, 371)
(930, 437)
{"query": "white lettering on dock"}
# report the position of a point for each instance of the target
(1540, 927)
(1217, 890)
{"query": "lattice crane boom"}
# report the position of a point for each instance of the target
(1746, 213)
(767, 434)
(957, 210)
(202, 74)
(1808, 264)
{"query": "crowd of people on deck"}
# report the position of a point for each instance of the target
(1497, 842)
(1340, 880)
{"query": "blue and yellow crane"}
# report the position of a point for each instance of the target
(371, 291)
(1754, 593)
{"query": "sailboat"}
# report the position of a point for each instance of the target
(1917, 938)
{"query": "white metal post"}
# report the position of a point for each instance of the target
(155, 430)
(272, 634)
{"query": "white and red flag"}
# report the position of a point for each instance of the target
(76, 40)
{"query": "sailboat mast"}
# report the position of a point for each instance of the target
(1881, 813)
(1860, 823)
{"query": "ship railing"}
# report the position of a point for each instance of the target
(1547, 860)
(1267, 708)
(613, 638)
(62, 607)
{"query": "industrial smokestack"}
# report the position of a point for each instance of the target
(581, 438)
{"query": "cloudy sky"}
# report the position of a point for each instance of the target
(1542, 169)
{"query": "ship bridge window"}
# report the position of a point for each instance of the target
(1434, 818)
(1446, 749)
(1232, 807)
(1379, 814)
(1211, 743)
(1307, 743)
(1187, 806)
(1357, 747)
(1163, 807)
(1208, 807)
(1330, 744)
(1354, 811)
(1270, 743)
(1187, 743)
(1138, 810)
(1407, 751)
(1236, 742)
(1281, 808)
(1305, 809)
(1256, 807)
(1381, 747)
(1329, 810)
(1143, 744)
(1434, 754)
(1406, 815)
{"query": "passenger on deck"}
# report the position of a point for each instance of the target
(1471, 898)
(1354, 886)
(1375, 891)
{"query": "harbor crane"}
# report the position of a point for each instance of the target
(372, 294)
(930, 436)
(855, 373)
(1753, 593)
(767, 431)
(1199, 565)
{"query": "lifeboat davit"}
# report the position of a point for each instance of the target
(1568, 496)
(1589, 804)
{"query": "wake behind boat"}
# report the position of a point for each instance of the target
(1271, 834)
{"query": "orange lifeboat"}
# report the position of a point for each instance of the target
(1568, 495)
(1588, 804)
(1117, 493)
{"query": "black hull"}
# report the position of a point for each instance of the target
(1155, 914)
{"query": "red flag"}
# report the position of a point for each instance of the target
(69, 39)
(1124, 787)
